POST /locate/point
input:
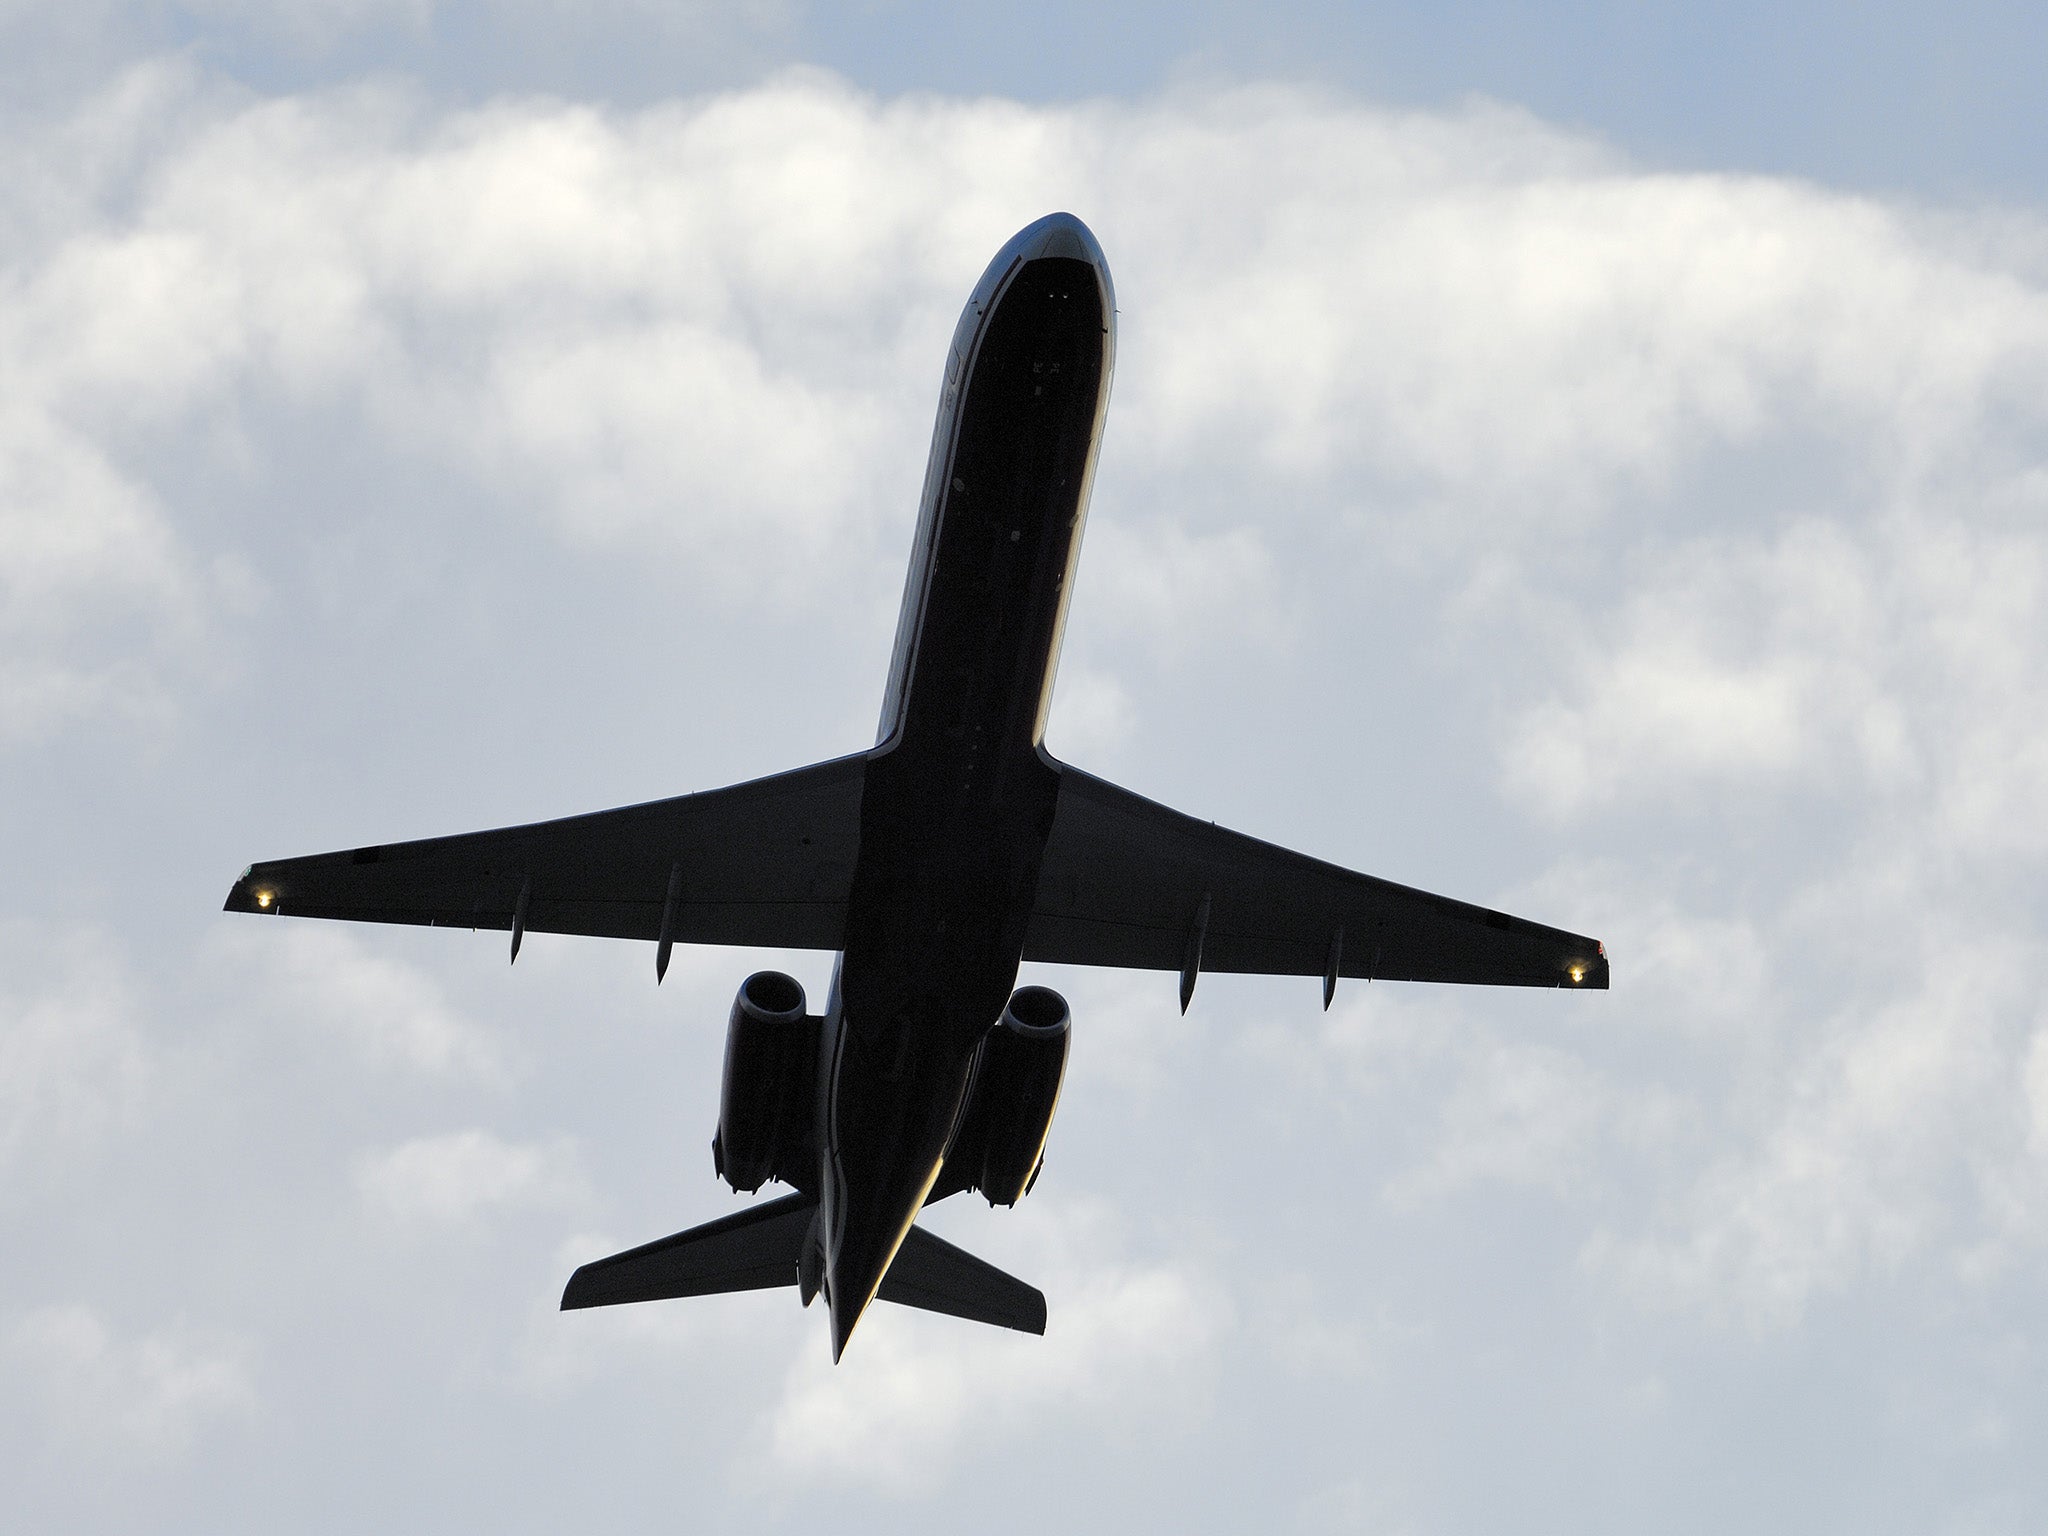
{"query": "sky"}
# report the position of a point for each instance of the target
(1590, 460)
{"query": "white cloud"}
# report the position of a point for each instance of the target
(1536, 337)
(73, 1063)
(1518, 1114)
(462, 1175)
(708, 330)
(1182, 590)
(89, 564)
(155, 1393)
(1898, 659)
(1092, 715)
(1879, 1142)
(394, 1016)
(1729, 490)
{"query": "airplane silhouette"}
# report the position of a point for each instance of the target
(933, 864)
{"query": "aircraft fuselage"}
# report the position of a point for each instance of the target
(959, 799)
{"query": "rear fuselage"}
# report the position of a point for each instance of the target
(958, 799)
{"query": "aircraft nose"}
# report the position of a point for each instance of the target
(1060, 235)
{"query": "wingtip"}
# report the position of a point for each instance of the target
(248, 894)
(1590, 976)
(576, 1295)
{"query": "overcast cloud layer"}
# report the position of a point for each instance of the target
(1659, 555)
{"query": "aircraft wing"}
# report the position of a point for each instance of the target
(1127, 882)
(763, 863)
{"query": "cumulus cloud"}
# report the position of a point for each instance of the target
(1887, 1137)
(1095, 715)
(709, 327)
(1895, 658)
(74, 1065)
(466, 1174)
(93, 578)
(1729, 489)
(1525, 1116)
(1461, 1107)
(1494, 317)
(153, 1394)
(392, 1015)
(1179, 590)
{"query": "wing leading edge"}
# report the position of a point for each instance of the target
(1128, 882)
(764, 863)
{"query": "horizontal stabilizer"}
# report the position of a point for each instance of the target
(758, 1249)
(750, 1250)
(932, 1274)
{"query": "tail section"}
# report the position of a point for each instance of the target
(766, 1245)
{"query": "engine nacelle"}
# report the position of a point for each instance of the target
(767, 1103)
(1000, 1141)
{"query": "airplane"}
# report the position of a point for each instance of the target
(932, 864)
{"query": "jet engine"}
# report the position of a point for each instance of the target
(767, 1105)
(1000, 1140)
